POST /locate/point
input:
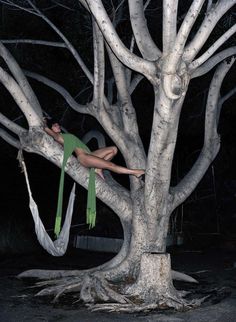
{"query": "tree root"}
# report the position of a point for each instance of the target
(178, 276)
(100, 295)
(48, 274)
(162, 303)
(153, 287)
(56, 274)
(96, 288)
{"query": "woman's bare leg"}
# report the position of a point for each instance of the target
(106, 153)
(92, 161)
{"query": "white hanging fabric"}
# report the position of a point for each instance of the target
(59, 246)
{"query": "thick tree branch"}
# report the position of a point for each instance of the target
(11, 125)
(169, 25)
(213, 61)
(54, 153)
(142, 36)
(173, 59)
(200, 60)
(211, 140)
(9, 139)
(160, 155)
(99, 66)
(21, 79)
(124, 55)
(183, 34)
(136, 156)
(208, 24)
(18, 95)
(124, 100)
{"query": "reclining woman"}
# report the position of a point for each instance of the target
(96, 161)
(99, 159)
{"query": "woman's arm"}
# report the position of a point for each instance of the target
(57, 136)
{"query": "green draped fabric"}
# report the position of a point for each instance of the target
(70, 143)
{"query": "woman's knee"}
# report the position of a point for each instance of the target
(114, 150)
(83, 159)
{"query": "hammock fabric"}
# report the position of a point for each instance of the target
(59, 246)
(70, 143)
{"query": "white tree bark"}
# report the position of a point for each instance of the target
(141, 33)
(208, 24)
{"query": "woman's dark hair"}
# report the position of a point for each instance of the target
(51, 121)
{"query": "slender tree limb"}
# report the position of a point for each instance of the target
(200, 60)
(61, 90)
(223, 99)
(123, 95)
(213, 61)
(99, 66)
(131, 47)
(124, 55)
(11, 125)
(128, 114)
(227, 96)
(73, 51)
(34, 42)
(18, 95)
(21, 79)
(211, 140)
(13, 4)
(208, 24)
(142, 36)
(9, 139)
(169, 25)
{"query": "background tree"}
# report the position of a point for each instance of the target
(142, 270)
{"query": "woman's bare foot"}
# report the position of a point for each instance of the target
(139, 172)
(99, 173)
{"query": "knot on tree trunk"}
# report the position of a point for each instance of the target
(32, 139)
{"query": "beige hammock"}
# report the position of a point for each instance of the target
(59, 246)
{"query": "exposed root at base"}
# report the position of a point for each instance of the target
(163, 303)
(100, 295)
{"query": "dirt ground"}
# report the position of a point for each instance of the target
(215, 269)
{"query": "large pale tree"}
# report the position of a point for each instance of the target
(139, 277)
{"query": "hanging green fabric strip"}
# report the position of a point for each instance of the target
(70, 143)
(91, 200)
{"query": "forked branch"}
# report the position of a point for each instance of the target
(211, 139)
(208, 24)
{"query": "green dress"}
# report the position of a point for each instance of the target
(70, 143)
